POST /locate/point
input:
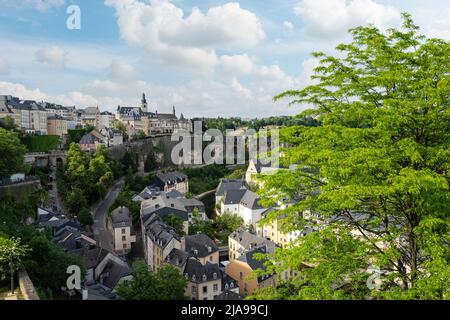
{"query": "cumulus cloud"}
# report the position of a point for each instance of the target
(121, 70)
(4, 66)
(178, 40)
(53, 56)
(334, 17)
(288, 25)
(19, 90)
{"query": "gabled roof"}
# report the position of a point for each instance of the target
(200, 245)
(120, 217)
(196, 272)
(234, 196)
(162, 179)
(177, 258)
(230, 184)
(251, 200)
(247, 239)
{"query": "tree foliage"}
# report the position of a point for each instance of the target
(165, 284)
(12, 153)
(377, 166)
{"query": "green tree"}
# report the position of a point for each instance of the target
(378, 166)
(8, 123)
(12, 253)
(13, 151)
(119, 126)
(166, 284)
(47, 262)
(175, 222)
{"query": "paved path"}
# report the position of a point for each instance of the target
(102, 235)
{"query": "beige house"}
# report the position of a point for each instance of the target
(56, 125)
(121, 227)
(243, 271)
(28, 115)
(158, 239)
(90, 116)
(172, 181)
(92, 140)
(274, 231)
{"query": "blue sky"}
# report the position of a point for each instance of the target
(208, 58)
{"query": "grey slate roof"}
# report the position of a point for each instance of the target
(89, 138)
(120, 217)
(230, 184)
(93, 257)
(249, 258)
(178, 258)
(200, 245)
(159, 232)
(198, 273)
(247, 239)
(170, 178)
(113, 272)
(251, 200)
(234, 196)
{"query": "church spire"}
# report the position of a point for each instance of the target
(144, 102)
(173, 110)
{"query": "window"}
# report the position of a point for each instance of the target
(124, 238)
(123, 230)
(210, 258)
(194, 290)
(215, 287)
(205, 289)
(124, 245)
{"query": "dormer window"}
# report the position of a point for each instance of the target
(214, 276)
(204, 277)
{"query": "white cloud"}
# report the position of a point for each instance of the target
(19, 90)
(236, 64)
(102, 86)
(288, 25)
(333, 18)
(4, 66)
(121, 70)
(53, 56)
(173, 39)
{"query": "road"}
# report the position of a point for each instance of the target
(102, 236)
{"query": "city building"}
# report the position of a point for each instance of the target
(121, 228)
(227, 185)
(158, 239)
(241, 241)
(90, 117)
(171, 181)
(28, 115)
(243, 271)
(56, 125)
(201, 247)
(90, 141)
(162, 204)
(106, 120)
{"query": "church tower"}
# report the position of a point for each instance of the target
(173, 110)
(144, 103)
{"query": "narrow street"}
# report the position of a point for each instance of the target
(102, 236)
